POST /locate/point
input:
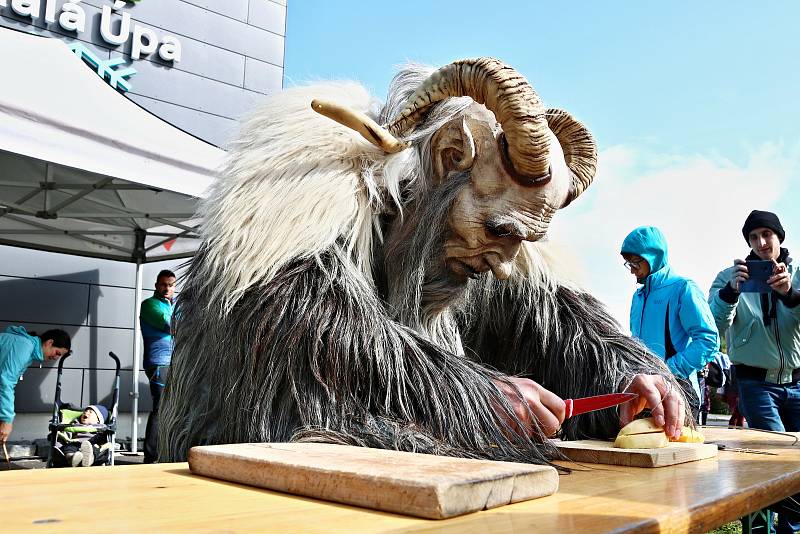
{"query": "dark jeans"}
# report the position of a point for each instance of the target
(774, 407)
(158, 379)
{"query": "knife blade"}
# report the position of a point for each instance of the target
(598, 402)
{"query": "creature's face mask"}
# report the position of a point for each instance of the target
(494, 212)
(525, 161)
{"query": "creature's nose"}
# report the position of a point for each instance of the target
(505, 229)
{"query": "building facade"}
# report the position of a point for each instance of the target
(231, 53)
(219, 58)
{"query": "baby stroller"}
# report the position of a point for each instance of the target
(64, 423)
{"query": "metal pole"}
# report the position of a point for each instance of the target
(137, 359)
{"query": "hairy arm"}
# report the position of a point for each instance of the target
(314, 354)
(565, 340)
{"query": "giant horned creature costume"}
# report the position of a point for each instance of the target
(343, 289)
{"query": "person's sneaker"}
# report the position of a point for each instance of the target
(88, 454)
(74, 459)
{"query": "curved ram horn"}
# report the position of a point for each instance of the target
(355, 120)
(580, 150)
(507, 94)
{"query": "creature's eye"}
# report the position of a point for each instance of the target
(502, 144)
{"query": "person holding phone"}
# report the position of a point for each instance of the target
(762, 323)
(669, 312)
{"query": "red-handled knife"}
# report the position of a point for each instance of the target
(598, 402)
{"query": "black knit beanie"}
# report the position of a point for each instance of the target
(762, 219)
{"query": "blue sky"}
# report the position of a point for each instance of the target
(695, 106)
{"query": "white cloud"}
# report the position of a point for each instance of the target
(699, 202)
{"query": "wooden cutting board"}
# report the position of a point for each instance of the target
(604, 452)
(422, 485)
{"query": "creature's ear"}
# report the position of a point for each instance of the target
(452, 148)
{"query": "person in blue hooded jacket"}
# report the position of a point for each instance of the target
(19, 349)
(669, 313)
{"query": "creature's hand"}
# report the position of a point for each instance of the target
(739, 274)
(529, 400)
(781, 280)
(657, 394)
(5, 431)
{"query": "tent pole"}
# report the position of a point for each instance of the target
(137, 334)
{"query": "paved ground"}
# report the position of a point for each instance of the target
(40, 463)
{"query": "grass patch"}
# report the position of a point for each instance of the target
(734, 527)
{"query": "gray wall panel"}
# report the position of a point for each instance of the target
(212, 128)
(43, 301)
(99, 387)
(262, 77)
(111, 306)
(247, 40)
(197, 58)
(36, 392)
(236, 9)
(38, 264)
(126, 401)
(192, 91)
(268, 15)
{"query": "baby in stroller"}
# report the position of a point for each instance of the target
(85, 443)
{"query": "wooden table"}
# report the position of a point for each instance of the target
(692, 497)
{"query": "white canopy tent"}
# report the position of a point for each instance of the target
(85, 171)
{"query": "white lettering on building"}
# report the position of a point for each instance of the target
(115, 28)
(26, 8)
(73, 17)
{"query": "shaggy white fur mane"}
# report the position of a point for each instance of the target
(309, 184)
(299, 178)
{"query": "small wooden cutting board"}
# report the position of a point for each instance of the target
(603, 452)
(421, 485)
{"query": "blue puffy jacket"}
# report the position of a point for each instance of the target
(18, 350)
(668, 298)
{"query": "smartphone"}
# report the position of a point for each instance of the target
(758, 271)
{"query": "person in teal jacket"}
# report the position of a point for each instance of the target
(669, 313)
(155, 318)
(19, 349)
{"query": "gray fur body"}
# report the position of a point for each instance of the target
(394, 355)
